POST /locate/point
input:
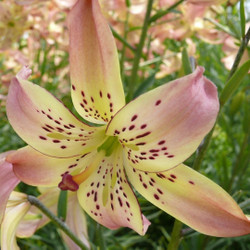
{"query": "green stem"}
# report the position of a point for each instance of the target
(204, 146)
(175, 236)
(134, 77)
(202, 150)
(243, 45)
(59, 223)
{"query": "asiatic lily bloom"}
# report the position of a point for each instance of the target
(142, 143)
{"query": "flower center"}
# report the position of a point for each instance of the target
(72, 183)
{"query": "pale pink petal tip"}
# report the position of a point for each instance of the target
(146, 224)
(24, 73)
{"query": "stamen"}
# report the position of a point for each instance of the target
(90, 169)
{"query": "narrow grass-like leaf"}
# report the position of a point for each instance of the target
(234, 82)
(148, 82)
(122, 40)
(186, 62)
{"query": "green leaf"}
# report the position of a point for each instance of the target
(148, 82)
(62, 205)
(186, 62)
(234, 82)
(246, 119)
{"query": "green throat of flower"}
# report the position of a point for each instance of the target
(72, 183)
(109, 145)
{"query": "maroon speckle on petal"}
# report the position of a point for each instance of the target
(161, 142)
(156, 197)
(173, 176)
(63, 147)
(82, 93)
(170, 156)
(191, 182)
(95, 197)
(109, 96)
(143, 135)
(158, 103)
(133, 118)
(73, 87)
(143, 126)
(159, 191)
(131, 127)
(120, 201)
(42, 137)
(56, 141)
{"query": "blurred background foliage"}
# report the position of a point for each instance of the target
(34, 33)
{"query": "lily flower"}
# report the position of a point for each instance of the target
(17, 207)
(142, 143)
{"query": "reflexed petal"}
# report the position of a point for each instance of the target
(37, 169)
(76, 221)
(97, 91)
(8, 182)
(108, 198)
(46, 124)
(193, 199)
(163, 127)
(11, 220)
